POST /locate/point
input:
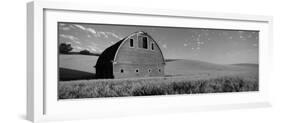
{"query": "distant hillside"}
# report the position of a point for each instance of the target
(84, 63)
(170, 60)
(77, 66)
(78, 53)
(246, 65)
(174, 67)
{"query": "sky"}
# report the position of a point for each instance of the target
(209, 45)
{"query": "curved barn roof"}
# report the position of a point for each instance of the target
(108, 55)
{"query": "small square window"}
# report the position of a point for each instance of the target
(145, 43)
(131, 42)
(122, 71)
(152, 46)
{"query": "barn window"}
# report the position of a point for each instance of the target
(152, 46)
(159, 70)
(137, 70)
(144, 44)
(149, 70)
(122, 71)
(131, 42)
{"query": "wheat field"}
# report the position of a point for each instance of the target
(155, 86)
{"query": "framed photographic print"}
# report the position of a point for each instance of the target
(100, 61)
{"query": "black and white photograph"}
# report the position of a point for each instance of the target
(107, 60)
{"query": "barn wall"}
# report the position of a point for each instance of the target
(129, 59)
(139, 55)
(129, 70)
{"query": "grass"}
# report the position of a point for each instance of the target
(155, 86)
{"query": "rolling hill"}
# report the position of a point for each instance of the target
(192, 66)
(84, 63)
(82, 66)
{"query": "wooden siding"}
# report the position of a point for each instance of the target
(127, 54)
(131, 58)
(129, 70)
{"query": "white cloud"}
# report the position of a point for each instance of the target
(240, 32)
(97, 33)
(107, 35)
(77, 42)
(164, 46)
(241, 36)
(104, 34)
(94, 48)
(80, 27)
(71, 38)
(114, 35)
(112, 42)
(91, 30)
(68, 36)
(65, 28)
(79, 48)
(93, 44)
(61, 24)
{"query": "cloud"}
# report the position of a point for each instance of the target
(79, 26)
(97, 33)
(80, 48)
(241, 36)
(77, 47)
(71, 38)
(68, 36)
(94, 48)
(77, 42)
(62, 24)
(106, 35)
(91, 30)
(241, 32)
(65, 28)
(112, 42)
(103, 33)
(114, 35)
(255, 45)
(164, 46)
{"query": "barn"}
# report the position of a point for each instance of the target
(137, 55)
